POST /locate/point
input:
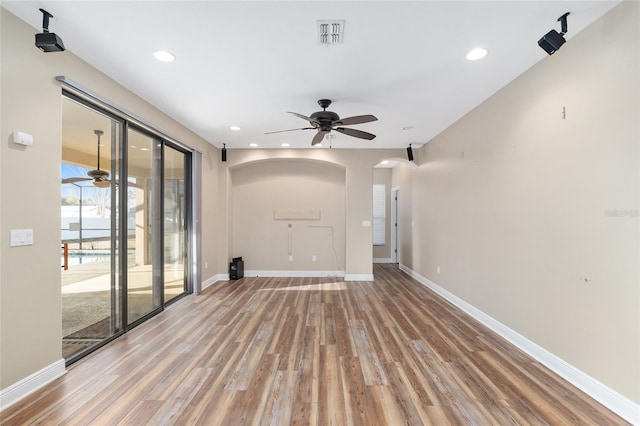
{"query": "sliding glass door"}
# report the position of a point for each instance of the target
(156, 223)
(90, 286)
(174, 221)
(144, 242)
(125, 208)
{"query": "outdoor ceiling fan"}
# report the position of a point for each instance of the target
(325, 121)
(100, 177)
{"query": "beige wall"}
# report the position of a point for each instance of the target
(261, 188)
(401, 179)
(532, 218)
(382, 176)
(358, 183)
(30, 311)
(531, 225)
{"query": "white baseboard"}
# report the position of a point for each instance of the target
(30, 384)
(358, 277)
(614, 401)
(293, 274)
(214, 279)
(319, 274)
(382, 260)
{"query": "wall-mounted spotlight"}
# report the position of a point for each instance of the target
(410, 153)
(46, 41)
(552, 40)
(224, 152)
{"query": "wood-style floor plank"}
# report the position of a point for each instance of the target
(310, 351)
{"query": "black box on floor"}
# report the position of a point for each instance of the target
(236, 268)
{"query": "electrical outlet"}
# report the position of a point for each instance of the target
(206, 265)
(438, 269)
(290, 258)
(313, 258)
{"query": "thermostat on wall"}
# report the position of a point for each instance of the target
(22, 138)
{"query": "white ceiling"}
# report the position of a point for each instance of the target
(247, 63)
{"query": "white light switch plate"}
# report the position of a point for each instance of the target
(366, 224)
(21, 237)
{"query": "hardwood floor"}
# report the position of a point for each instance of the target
(310, 351)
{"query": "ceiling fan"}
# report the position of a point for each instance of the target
(325, 121)
(100, 177)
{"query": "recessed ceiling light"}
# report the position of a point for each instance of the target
(144, 149)
(318, 145)
(383, 162)
(477, 53)
(253, 145)
(285, 145)
(164, 56)
(236, 128)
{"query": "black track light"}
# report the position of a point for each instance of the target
(552, 40)
(224, 152)
(46, 41)
(410, 153)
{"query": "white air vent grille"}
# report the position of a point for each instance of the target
(330, 32)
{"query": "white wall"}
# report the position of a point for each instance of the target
(532, 218)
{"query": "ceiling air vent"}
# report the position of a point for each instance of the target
(330, 32)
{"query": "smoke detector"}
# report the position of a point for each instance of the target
(330, 31)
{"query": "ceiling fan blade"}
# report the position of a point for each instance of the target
(289, 130)
(357, 119)
(355, 133)
(318, 138)
(304, 117)
(75, 179)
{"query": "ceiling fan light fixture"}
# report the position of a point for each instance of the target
(326, 121)
(102, 183)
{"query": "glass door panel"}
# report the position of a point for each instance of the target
(89, 228)
(175, 248)
(144, 238)
(125, 215)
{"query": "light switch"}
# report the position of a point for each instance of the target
(366, 224)
(21, 237)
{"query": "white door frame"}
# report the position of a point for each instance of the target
(395, 226)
